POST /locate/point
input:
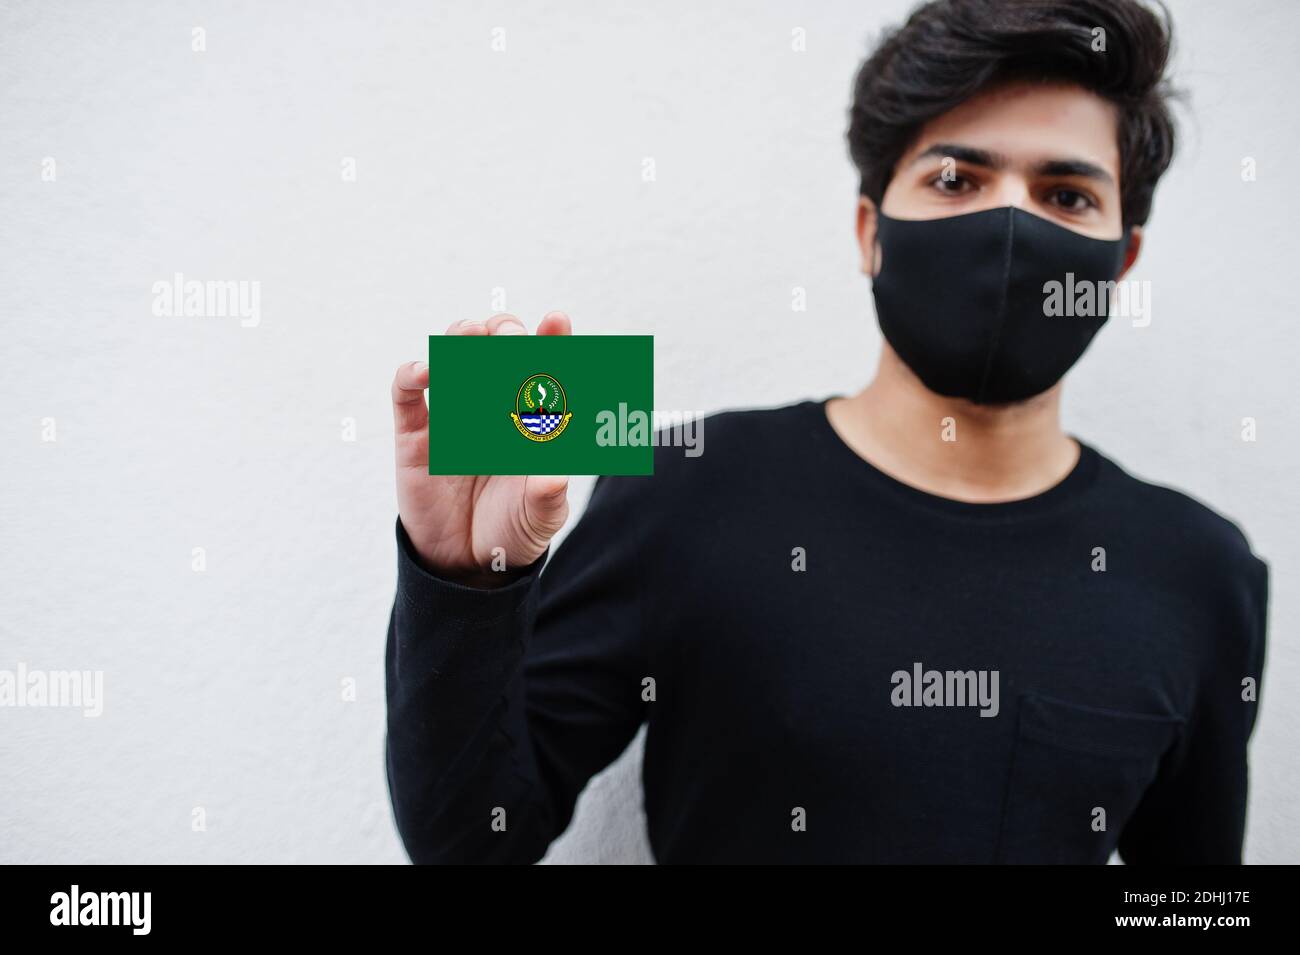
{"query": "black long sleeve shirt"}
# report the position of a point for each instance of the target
(767, 608)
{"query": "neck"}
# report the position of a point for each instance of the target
(984, 454)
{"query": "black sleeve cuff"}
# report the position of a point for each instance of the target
(426, 594)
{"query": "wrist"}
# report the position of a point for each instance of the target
(461, 573)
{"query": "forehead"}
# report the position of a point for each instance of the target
(1029, 123)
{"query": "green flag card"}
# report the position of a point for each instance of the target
(541, 404)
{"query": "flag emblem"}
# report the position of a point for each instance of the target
(541, 408)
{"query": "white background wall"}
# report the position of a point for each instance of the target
(475, 170)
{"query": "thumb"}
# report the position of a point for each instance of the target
(546, 507)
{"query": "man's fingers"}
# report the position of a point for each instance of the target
(555, 323)
(467, 326)
(409, 412)
(505, 325)
(410, 416)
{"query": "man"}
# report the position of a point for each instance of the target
(917, 624)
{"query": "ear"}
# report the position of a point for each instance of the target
(867, 237)
(1134, 247)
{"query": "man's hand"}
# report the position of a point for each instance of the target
(455, 523)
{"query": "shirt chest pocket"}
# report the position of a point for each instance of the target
(1074, 768)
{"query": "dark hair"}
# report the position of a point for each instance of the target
(950, 50)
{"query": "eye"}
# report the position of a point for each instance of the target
(954, 185)
(1071, 200)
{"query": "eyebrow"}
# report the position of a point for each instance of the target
(992, 160)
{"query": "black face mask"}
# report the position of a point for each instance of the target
(961, 300)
